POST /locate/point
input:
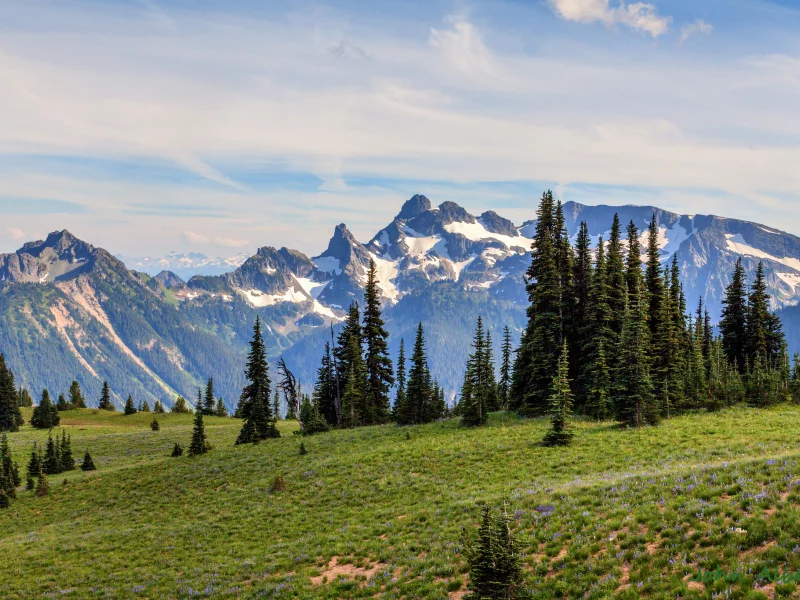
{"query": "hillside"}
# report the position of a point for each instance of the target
(621, 513)
(89, 318)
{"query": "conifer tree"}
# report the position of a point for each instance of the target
(733, 325)
(76, 395)
(537, 356)
(504, 385)
(654, 280)
(130, 409)
(181, 406)
(487, 376)
(581, 285)
(65, 457)
(154, 425)
(88, 463)
(634, 403)
(42, 485)
(615, 278)
(34, 467)
(354, 396)
(9, 470)
(255, 399)
(209, 404)
(158, 408)
(177, 450)
(105, 398)
(221, 411)
(45, 415)
(61, 404)
(676, 341)
(349, 346)
(145, 408)
(598, 340)
(475, 394)
(633, 262)
(325, 389)
(418, 388)
(400, 395)
(51, 465)
(378, 365)
(276, 405)
(10, 415)
(495, 570)
(560, 411)
(311, 418)
(25, 399)
(199, 444)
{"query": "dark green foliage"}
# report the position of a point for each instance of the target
(62, 404)
(154, 426)
(733, 325)
(88, 463)
(495, 568)
(34, 467)
(414, 408)
(615, 278)
(479, 390)
(560, 412)
(130, 409)
(199, 444)
(276, 405)
(66, 460)
(504, 385)
(181, 406)
(378, 365)
(354, 396)
(598, 340)
(303, 450)
(145, 407)
(51, 465)
(348, 356)
(537, 356)
(76, 398)
(209, 403)
(9, 470)
(310, 418)
(326, 388)
(254, 404)
(400, 394)
(10, 415)
(42, 485)
(45, 415)
(633, 262)
(177, 450)
(5, 502)
(24, 398)
(581, 290)
(105, 398)
(158, 408)
(221, 411)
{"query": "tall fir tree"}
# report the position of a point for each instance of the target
(34, 467)
(254, 403)
(560, 410)
(105, 398)
(348, 345)
(654, 279)
(10, 416)
(733, 325)
(615, 277)
(418, 390)
(400, 394)
(581, 286)
(598, 341)
(380, 377)
(65, 450)
(495, 567)
(130, 409)
(45, 414)
(209, 402)
(633, 261)
(51, 465)
(504, 385)
(9, 470)
(76, 395)
(199, 444)
(537, 357)
(475, 391)
(325, 388)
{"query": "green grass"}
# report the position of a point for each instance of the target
(623, 514)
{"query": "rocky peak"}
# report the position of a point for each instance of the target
(414, 207)
(450, 212)
(497, 224)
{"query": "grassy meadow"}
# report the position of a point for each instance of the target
(380, 511)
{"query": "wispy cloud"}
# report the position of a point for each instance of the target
(697, 27)
(639, 16)
(193, 238)
(15, 234)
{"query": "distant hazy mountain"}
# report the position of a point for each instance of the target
(69, 310)
(184, 265)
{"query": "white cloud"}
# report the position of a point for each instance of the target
(639, 15)
(194, 239)
(15, 234)
(230, 242)
(690, 29)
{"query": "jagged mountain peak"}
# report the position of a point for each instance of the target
(414, 207)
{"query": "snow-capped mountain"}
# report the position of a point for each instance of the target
(184, 265)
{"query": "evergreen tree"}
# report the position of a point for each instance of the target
(181, 406)
(354, 396)
(537, 356)
(634, 403)
(276, 404)
(325, 389)
(10, 415)
(221, 411)
(654, 281)
(474, 394)
(581, 285)
(199, 444)
(209, 404)
(378, 364)
(76, 395)
(45, 415)
(400, 395)
(348, 347)
(62, 404)
(51, 465)
(487, 376)
(418, 389)
(154, 425)
(65, 452)
(105, 398)
(733, 325)
(24, 397)
(312, 420)
(34, 467)
(42, 485)
(633, 263)
(757, 319)
(495, 570)
(674, 345)
(9, 470)
(130, 409)
(598, 339)
(615, 278)
(88, 463)
(158, 408)
(177, 450)
(560, 433)
(504, 385)
(255, 400)
(145, 407)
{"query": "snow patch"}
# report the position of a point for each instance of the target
(328, 264)
(312, 288)
(458, 267)
(790, 279)
(419, 245)
(259, 299)
(736, 244)
(386, 271)
(477, 232)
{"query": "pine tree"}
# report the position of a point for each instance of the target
(311, 418)
(537, 357)
(378, 365)
(348, 347)
(154, 425)
(221, 411)
(181, 406)
(145, 407)
(487, 376)
(76, 395)
(209, 404)
(130, 409)
(417, 390)
(255, 399)
(42, 485)
(495, 570)
(560, 410)
(158, 408)
(34, 467)
(581, 282)
(10, 415)
(65, 458)
(654, 280)
(88, 463)
(105, 398)
(354, 396)
(474, 397)
(400, 395)
(177, 450)
(325, 389)
(615, 278)
(634, 403)
(504, 385)
(45, 415)
(24, 397)
(733, 325)
(199, 444)
(598, 340)
(9, 470)
(51, 465)
(61, 404)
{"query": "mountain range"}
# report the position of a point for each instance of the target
(69, 310)
(184, 265)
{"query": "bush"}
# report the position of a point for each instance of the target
(154, 425)
(177, 450)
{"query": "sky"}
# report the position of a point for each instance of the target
(146, 126)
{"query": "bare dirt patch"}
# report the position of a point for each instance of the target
(335, 570)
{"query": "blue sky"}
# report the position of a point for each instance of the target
(150, 125)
